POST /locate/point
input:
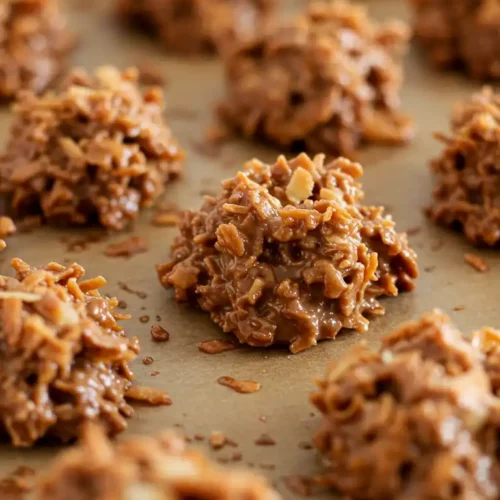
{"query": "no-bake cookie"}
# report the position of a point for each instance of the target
(63, 356)
(288, 254)
(97, 151)
(324, 82)
(415, 420)
(467, 192)
(34, 45)
(460, 33)
(146, 468)
(194, 26)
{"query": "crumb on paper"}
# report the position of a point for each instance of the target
(149, 395)
(241, 386)
(265, 440)
(159, 334)
(217, 346)
(217, 440)
(127, 248)
(476, 262)
(144, 318)
(148, 360)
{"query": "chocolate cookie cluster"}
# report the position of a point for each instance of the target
(288, 254)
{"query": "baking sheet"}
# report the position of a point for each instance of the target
(395, 177)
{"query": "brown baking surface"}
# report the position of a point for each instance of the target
(396, 177)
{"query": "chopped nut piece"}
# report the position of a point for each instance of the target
(217, 440)
(301, 186)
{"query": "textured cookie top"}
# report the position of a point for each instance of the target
(146, 468)
(288, 254)
(467, 193)
(98, 150)
(416, 419)
(323, 81)
(63, 355)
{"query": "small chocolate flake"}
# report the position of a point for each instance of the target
(459, 308)
(155, 373)
(159, 334)
(265, 440)
(241, 386)
(158, 317)
(299, 485)
(199, 437)
(217, 346)
(127, 248)
(217, 440)
(477, 262)
(144, 319)
(305, 445)
(148, 360)
(122, 304)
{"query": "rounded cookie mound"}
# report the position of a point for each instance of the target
(34, 45)
(460, 33)
(467, 176)
(63, 356)
(194, 26)
(414, 420)
(287, 254)
(324, 82)
(146, 468)
(97, 151)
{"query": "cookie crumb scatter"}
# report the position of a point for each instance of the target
(328, 97)
(265, 440)
(476, 262)
(256, 259)
(146, 468)
(127, 248)
(217, 346)
(159, 334)
(148, 360)
(101, 169)
(144, 318)
(241, 386)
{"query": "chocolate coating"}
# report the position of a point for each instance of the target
(63, 356)
(146, 468)
(415, 420)
(467, 192)
(97, 151)
(323, 82)
(287, 254)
